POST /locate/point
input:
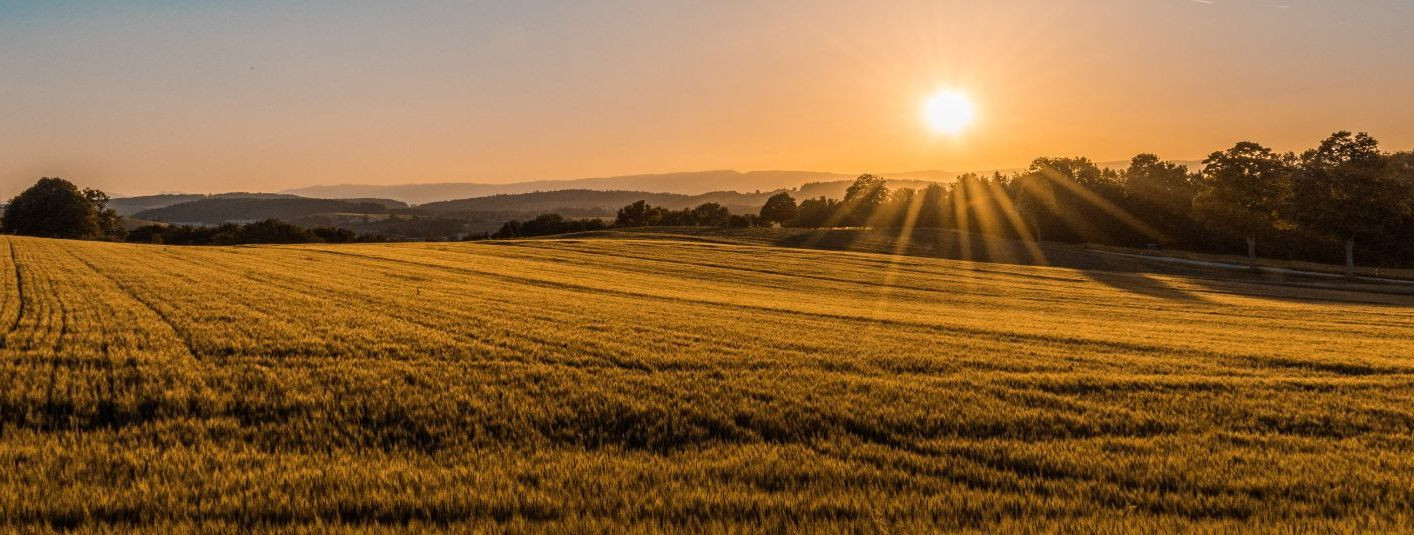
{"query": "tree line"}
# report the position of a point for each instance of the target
(637, 214)
(1317, 205)
(1314, 205)
(264, 231)
(56, 208)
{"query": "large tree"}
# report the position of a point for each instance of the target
(56, 208)
(1244, 190)
(1160, 192)
(1343, 188)
(779, 208)
(1035, 202)
(931, 212)
(862, 198)
(1157, 184)
(1074, 199)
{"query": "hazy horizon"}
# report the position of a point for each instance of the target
(208, 97)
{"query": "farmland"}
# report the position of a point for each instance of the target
(660, 383)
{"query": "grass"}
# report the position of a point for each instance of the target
(617, 382)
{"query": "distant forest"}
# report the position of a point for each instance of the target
(1316, 205)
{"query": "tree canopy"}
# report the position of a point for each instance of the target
(56, 208)
(779, 208)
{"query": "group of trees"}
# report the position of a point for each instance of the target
(1343, 191)
(265, 231)
(641, 214)
(637, 214)
(547, 224)
(56, 208)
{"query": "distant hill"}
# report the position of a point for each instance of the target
(126, 206)
(583, 202)
(221, 209)
(686, 183)
(488, 203)
(689, 183)
(591, 202)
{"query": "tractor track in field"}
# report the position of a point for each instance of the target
(177, 333)
(19, 288)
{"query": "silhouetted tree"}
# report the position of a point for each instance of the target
(862, 197)
(334, 234)
(745, 220)
(710, 215)
(545, 225)
(930, 211)
(55, 208)
(779, 208)
(899, 211)
(638, 214)
(148, 234)
(1244, 190)
(1082, 201)
(1161, 192)
(976, 204)
(1343, 189)
(815, 213)
(110, 225)
(264, 231)
(1035, 201)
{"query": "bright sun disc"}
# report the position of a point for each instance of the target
(949, 112)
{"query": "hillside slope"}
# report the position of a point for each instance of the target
(593, 202)
(127, 206)
(597, 384)
(688, 183)
(218, 210)
(684, 183)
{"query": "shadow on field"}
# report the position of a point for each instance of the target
(1131, 274)
(1143, 284)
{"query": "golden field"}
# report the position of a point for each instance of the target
(614, 382)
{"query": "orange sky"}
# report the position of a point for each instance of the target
(220, 96)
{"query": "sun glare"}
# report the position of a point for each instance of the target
(949, 112)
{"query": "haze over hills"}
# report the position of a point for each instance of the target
(126, 206)
(478, 210)
(681, 183)
(219, 209)
(685, 183)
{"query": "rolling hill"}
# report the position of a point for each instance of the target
(614, 383)
(684, 183)
(593, 202)
(688, 183)
(127, 206)
(220, 209)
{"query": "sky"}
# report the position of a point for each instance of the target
(207, 96)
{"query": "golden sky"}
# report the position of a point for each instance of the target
(217, 96)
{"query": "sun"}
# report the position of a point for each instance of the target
(949, 112)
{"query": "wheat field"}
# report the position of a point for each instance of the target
(618, 383)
